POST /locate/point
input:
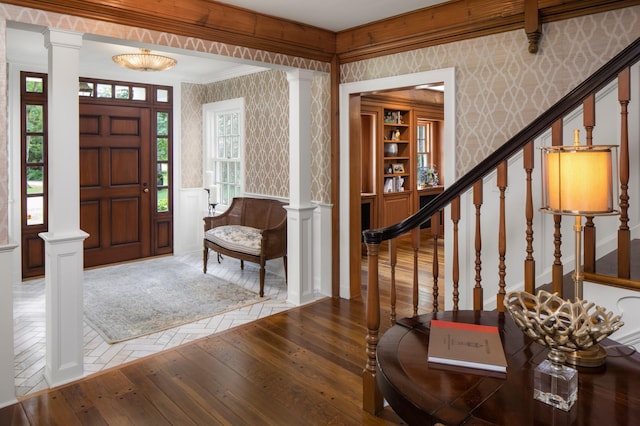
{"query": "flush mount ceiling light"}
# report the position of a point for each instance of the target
(144, 61)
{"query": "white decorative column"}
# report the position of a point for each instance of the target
(7, 262)
(7, 365)
(63, 241)
(300, 209)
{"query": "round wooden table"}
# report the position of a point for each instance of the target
(422, 394)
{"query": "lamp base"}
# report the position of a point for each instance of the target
(595, 356)
(555, 385)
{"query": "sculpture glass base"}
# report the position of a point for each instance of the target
(562, 326)
(555, 385)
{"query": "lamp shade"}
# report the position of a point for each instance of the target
(579, 180)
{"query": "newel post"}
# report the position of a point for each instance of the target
(372, 401)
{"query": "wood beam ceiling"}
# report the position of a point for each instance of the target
(457, 20)
(210, 20)
(204, 19)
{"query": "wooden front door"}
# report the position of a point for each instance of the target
(115, 179)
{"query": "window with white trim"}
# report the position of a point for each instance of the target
(223, 167)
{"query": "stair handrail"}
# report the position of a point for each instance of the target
(603, 76)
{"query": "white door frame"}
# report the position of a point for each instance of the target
(446, 75)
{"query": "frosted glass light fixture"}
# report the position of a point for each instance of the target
(144, 61)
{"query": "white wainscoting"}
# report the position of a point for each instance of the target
(190, 206)
(621, 302)
(322, 254)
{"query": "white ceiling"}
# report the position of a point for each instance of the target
(334, 15)
(25, 44)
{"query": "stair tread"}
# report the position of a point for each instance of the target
(608, 264)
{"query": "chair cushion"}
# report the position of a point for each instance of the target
(237, 238)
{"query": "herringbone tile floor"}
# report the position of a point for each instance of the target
(29, 324)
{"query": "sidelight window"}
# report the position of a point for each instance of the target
(34, 171)
(162, 161)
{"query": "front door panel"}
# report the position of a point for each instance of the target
(114, 183)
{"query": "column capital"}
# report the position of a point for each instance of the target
(63, 38)
(61, 238)
(300, 209)
(299, 74)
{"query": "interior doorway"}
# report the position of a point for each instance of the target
(350, 136)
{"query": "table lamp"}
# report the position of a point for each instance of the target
(579, 180)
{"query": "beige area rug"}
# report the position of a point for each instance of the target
(126, 301)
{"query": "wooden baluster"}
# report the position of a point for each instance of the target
(455, 264)
(393, 260)
(624, 235)
(589, 232)
(477, 290)
(435, 232)
(556, 268)
(529, 262)
(371, 396)
(502, 236)
(415, 239)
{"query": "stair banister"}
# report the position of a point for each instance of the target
(551, 118)
(572, 100)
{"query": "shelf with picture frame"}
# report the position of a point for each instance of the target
(389, 158)
(398, 175)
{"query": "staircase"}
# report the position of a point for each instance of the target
(496, 241)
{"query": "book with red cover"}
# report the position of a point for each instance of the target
(466, 345)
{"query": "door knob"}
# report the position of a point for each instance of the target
(145, 190)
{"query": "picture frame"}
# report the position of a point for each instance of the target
(398, 168)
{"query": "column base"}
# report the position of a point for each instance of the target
(7, 354)
(300, 254)
(64, 360)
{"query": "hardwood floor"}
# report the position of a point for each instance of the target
(302, 366)
(29, 319)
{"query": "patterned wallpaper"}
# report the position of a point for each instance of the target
(266, 132)
(321, 139)
(500, 87)
(192, 98)
(273, 180)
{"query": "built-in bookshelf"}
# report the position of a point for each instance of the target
(389, 155)
(397, 146)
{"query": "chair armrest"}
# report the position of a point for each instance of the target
(211, 222)
(274, 240)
